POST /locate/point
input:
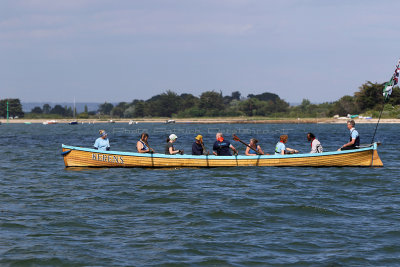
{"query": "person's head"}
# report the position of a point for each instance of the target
(219, 137)
(103, 134)
(199, 139)
(144, 136)
(172, 138)
(283, 138)
(351, 124)
(253, 141)
(310, 136)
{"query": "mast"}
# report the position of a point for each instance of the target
(74, 108)
(7, 110)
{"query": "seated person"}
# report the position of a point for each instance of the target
(354, 141)
(316, 146)
(281, 149)
(221, 146)
(198, 146)
(255, 148)
(142, 146)
(102, 143)
(169, 147)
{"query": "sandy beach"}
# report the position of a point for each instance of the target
(219, 120)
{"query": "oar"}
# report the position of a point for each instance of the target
(150, 149)
(238, 139)
(204, 149)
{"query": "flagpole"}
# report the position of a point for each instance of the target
(7, 111)
(387, 91)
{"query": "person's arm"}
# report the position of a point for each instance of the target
(292, 150)
(260, 151)
(215, 147)
(172, 151)
(247, 152)
(96, 144)
(353, 140)
(139, 147)
(234, 149)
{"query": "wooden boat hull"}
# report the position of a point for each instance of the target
(86, 157)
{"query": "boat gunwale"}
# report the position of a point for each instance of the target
(237, 157)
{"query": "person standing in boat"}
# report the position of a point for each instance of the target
(198, 146)
(169, 147)
(221, 146)
(253, 149)
(354, 141)
(102, 143)
(142, 146)
(316, 146)
(281, 149)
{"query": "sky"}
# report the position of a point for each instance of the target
(120, 50)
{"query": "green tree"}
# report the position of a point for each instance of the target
(163, 105)
(14, 108)
(211, 100)
(118, 110)
(139, 109)
(59, 110)
(188, 101)
(265, 97)
(46, 109)
(369, 96)
(37, 110)
(345, 105)
(105, 108)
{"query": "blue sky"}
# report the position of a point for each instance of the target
(120, 50)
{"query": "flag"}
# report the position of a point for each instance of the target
(394, 80)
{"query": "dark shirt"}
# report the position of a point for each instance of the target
(197, 149)
(167, 146)
(222, 148)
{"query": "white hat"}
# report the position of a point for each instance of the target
(172, 137)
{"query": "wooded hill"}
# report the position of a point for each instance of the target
(368, 100)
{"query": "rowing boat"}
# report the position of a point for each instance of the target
(87, 157)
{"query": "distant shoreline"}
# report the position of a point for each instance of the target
(229, 120)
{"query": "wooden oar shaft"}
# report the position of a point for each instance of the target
(238, 139)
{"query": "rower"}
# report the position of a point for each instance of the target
(316, 146)
(221, 146)
(198, 146)
(253, 149)
(142, 145)
(102, 143)
(169, 147)
(354, 142)
(281, 149)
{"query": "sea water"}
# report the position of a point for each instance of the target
(53, 216)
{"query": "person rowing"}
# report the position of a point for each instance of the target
(253, 149)
(354, 141)
(169, 147)
(221, 146)
(102, 143)
(281, 149)
(198, 146)
(142, 145)
(316, 146)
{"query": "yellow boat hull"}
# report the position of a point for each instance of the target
(84, 157)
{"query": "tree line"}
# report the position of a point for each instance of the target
(367, 100)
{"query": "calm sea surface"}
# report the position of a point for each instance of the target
(247, 216)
